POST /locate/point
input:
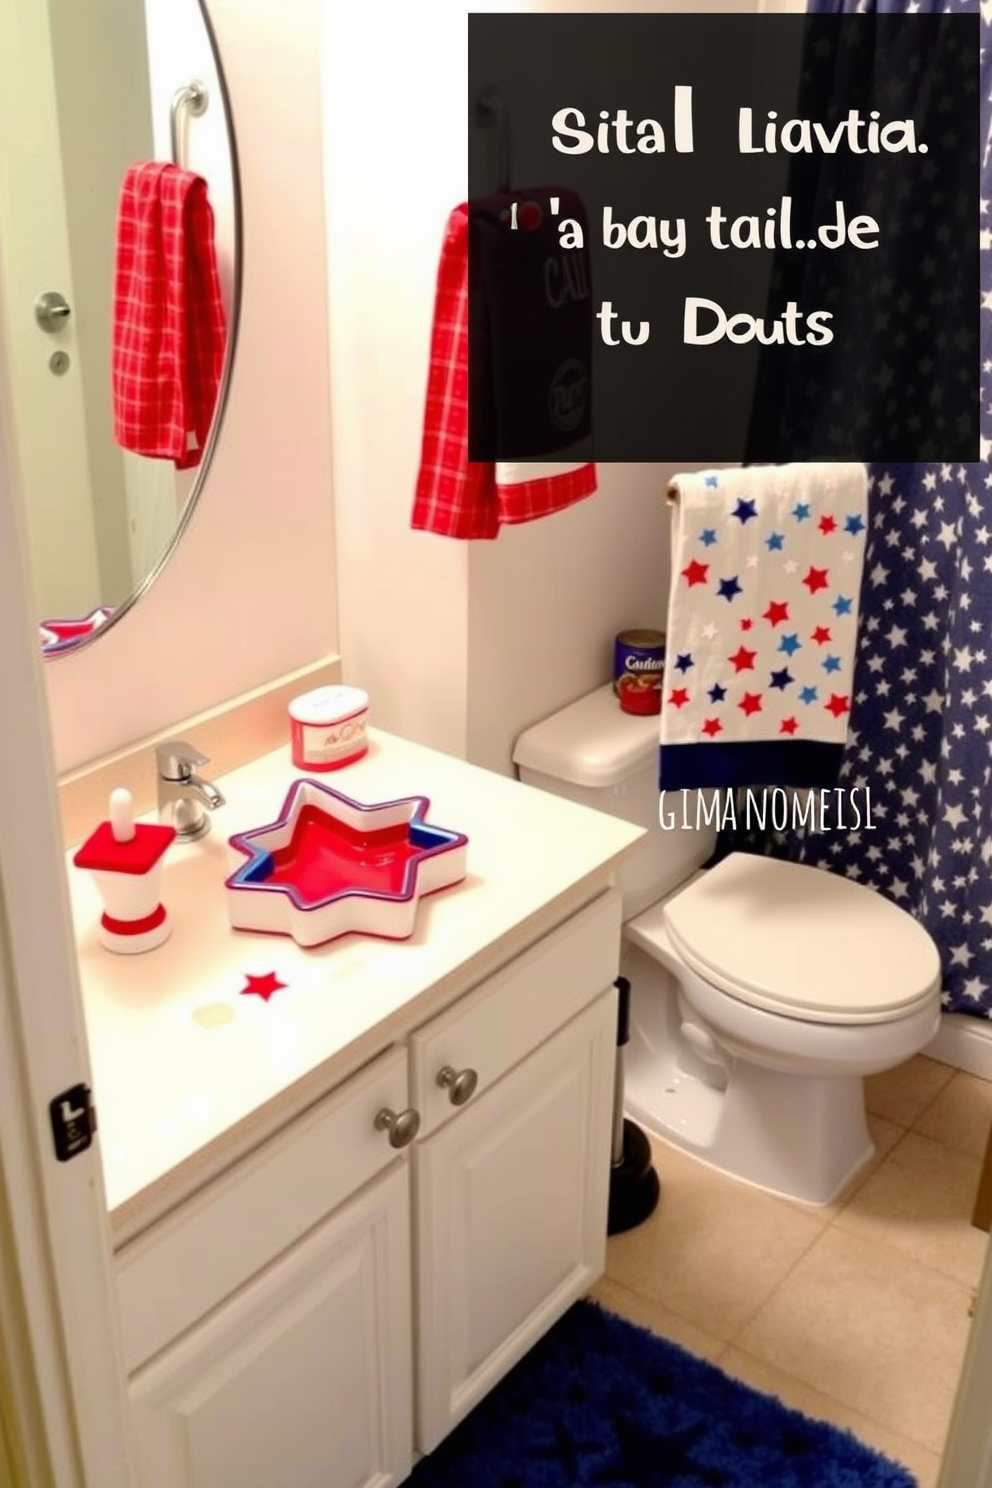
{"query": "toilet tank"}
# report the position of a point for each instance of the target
(594, 753)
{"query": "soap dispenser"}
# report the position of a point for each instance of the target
(125, 858)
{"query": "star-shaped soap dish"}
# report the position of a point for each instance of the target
(329, 865)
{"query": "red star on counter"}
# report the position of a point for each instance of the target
(696, 572)
(788, 726)
(743, 659)
(712, 727)
(746, 624)
(679, 697)
(827, 524)
(837, 705)
(776, 612)
(750, 703)
(261, 986)
(820, 635)
(816, 579)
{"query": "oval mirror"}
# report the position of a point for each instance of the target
(88, 90)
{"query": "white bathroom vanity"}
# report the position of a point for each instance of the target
(300, 1300)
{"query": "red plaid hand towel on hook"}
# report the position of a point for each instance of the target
(169, 328)
(454, 497)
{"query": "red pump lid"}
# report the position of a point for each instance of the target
(103, 852)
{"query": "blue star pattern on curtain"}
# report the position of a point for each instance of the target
(920, 734)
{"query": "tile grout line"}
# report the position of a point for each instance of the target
(842, 1406)
(755, 1312)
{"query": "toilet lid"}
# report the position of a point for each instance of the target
(802, 942)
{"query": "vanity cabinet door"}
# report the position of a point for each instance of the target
(510, 1201)
(302, 1378)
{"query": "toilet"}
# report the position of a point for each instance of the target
(763, 992)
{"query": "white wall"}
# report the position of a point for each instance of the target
(392, 174)
(547, 600)
(460, 645)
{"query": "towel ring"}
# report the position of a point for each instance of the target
(194, 97)
(490, 113)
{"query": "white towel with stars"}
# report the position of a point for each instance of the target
(762, 624)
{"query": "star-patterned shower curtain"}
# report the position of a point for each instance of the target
(921, 719)
(920, 734)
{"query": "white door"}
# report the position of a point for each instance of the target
(47, 408)
(511, 1199)
(304, 1376)
(63, 1341)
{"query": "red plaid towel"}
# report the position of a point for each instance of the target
(455, 497)
(169, 330)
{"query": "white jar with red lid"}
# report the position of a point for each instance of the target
(329, 727)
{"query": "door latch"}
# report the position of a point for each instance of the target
(73, 1117)
(51, 311)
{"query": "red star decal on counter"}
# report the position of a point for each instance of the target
(743, 659)
(776, 612)
(750, 703)
(816, 579)
(827, 524)
(261, 986)
(712, 727)
(746, 624)
(820, 635)
(679, 697)
(696, 572)
(788, 726)
(837, 705)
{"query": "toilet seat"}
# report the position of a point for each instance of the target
(802, 942)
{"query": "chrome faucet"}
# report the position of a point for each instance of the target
(182, 794)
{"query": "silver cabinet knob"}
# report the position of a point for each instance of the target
(460, 1084)
(402, 1126)
(51, 311)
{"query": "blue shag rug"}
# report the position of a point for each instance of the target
(599, 1401)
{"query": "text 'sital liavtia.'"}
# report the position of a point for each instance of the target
(619, 133)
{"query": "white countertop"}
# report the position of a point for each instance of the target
(185, 1065)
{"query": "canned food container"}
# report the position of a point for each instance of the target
(329, 727)
(638, 666)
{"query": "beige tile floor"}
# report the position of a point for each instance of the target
(856, 1313)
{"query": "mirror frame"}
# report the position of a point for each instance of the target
(83, 643)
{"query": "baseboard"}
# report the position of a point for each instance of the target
(232, 734)
(964, 1042)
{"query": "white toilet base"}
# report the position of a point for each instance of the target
(814, 1135)
(803, 1136)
